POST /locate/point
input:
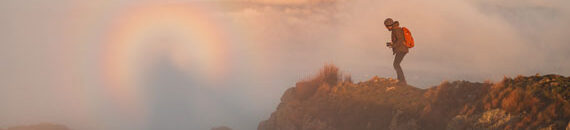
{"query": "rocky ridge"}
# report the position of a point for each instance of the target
(328, 102)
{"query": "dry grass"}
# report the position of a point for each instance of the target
(329, 75)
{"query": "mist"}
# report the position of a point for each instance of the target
(51, 55)
(471, 40)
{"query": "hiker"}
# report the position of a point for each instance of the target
(398, 45)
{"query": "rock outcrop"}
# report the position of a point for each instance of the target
(328, 102)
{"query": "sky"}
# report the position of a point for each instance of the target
(198, 64)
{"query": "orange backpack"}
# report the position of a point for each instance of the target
(408, 36)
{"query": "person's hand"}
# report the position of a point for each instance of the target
(389, 44)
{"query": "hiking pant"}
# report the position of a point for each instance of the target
(397, 60)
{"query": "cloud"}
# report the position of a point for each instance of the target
(473, 40)
(288, 2)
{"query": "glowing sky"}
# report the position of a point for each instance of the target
(179, 64)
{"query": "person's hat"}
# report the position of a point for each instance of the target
(388, 22)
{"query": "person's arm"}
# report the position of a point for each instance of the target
(393, 43)
(393, 40)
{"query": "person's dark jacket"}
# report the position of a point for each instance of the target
(398, 41)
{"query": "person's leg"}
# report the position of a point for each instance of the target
(397, 60)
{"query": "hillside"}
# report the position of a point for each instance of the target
(41, 126)
(328, 102)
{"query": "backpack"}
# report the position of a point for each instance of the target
(408, 37)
